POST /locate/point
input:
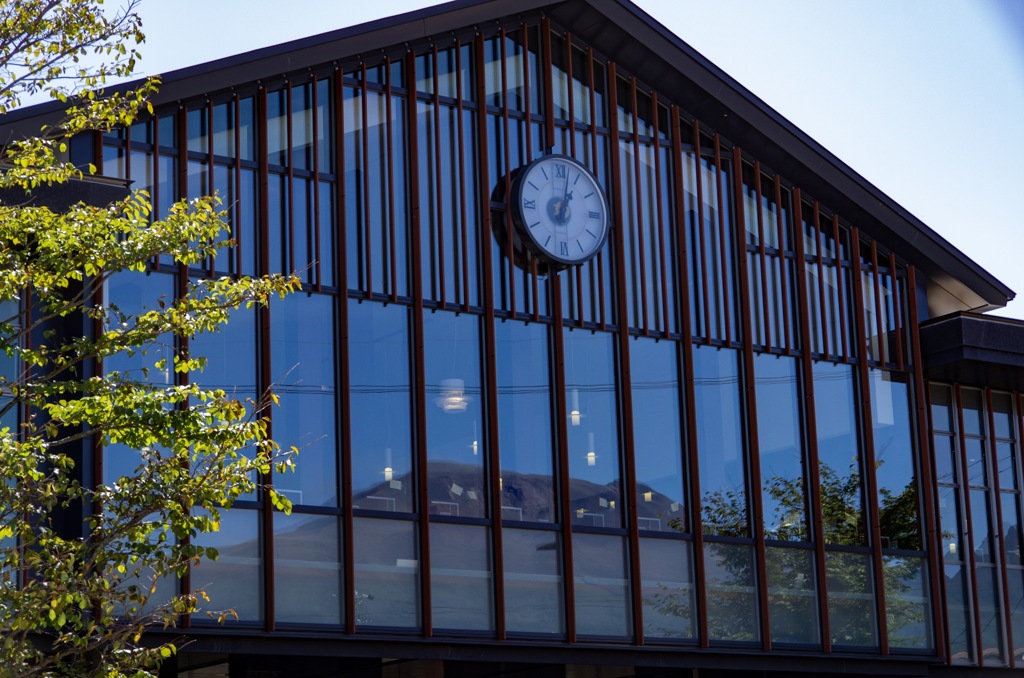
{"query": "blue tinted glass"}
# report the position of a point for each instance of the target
(235, 579)
(894, 460)
(534, 600)
(784, 495)
(990, 606)
(380, 425)
(592, 433)
(307, 569)
(958, 614)
(601, 587)
(731, 590)
(302, 370)
(657, 435)
(720, 442)
(460, 577)
(132, 294)
(524, 418)
(851, 599)
(386, 556)
(668, 589)
(907, 602)
(792, 596)
(455, 429)
(839, 465)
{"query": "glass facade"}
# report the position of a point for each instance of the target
(712, 434)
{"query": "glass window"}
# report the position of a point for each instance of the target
(666, 572)
(308, 582)
(894, 460)
(524, 418)
(1015, 585)
(534, 596)
(839, 462)
(792, 596)
(460, 577)
(958, 614)
(380, 422)
(302, 370)
(784, 495)
(907, 602)
(851, 599)
(593, 431)
(387, 570)
(731, 588)
(235, 579)
(456, 446)
(990, 612)
(657, 435)
(720, 442)
(602, 589)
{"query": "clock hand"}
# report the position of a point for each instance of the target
(565, 194)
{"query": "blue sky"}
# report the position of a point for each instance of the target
(924, 98)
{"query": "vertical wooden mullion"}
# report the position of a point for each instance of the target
(211, 184)
(181, 285)
(639, 226)
(660, 221)
(819, 242)
(155, 197)
(811, 428)
(463, 186)
(1000, 550)
(315, 143)
(897, 312)
(690, 399)
(390, 162)
(599, 260)
(290, 188)
(966, 532)
(723, 247)
(490, 344)
(562, 460)
(341, 271)
(534, 273)
(264, 378)
(365, 138)
(841, 285)
(699, 171)
(876, 279)
(419, 377)
(549, 95)
(874, 523)
(510, 280)
(442, 296)
(766, 314)
(749, 395)
(237, 206)
(781, 231)
(626, 401)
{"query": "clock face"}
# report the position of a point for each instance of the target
(560, 210)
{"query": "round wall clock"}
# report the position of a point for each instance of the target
(559, 210)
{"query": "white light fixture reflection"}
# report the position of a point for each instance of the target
(574, 413)
(453, 398)
(389, 472)
(648, 496)
(591, 455)
(475, 445)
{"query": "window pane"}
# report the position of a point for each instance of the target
(1015, 585)
(1012, 537)
(778, 432)
(851, 599)
(534, 599)
(839, 464)
(958, 613)
(731, 592)
(792, 596)
(602, 590)
(720, 443)
(981, 527)
(894, 461)
(302, 366)
(990, 616)
(593, 442)
(524, 418)
(387, 572)
(668, 595)
(307, 569)
(908, 608)
(949, 519)
(379, 391)
(657, 435)
(941, 400)
(235, 580)
(455, 432)
(460, 577)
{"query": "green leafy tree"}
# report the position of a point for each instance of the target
(80, 563)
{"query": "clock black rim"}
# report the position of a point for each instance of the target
(519, 221)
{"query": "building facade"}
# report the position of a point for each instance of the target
(751, 434)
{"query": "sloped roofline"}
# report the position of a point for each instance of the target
(635, 40)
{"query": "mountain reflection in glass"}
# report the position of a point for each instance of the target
(456, 446)
(595, 488)
(380, 423)
(524, 418)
